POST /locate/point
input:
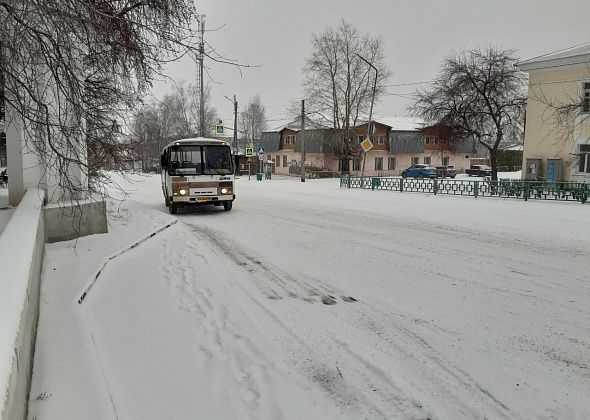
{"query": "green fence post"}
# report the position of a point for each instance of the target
(584, 193)
(476, 188)
(526, 191)
(348, 180)
(401, 185)
(435, 185)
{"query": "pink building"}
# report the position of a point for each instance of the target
(398, 142)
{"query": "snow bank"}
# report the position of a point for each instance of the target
(21, 255)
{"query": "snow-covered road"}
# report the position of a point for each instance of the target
(311, 301)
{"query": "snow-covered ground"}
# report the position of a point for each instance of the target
(311, 301)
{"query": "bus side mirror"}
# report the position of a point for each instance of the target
(163, 161)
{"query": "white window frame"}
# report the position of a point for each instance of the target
(415, 160)
(380, 160)
(583, 159)
(391, 167)
(429, 160)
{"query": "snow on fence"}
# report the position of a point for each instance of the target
(541, 190)
(21, 256)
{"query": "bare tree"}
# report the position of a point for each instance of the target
(71, 67)
(479, 93)
(338, 84)
(253, 119)
(174, 116)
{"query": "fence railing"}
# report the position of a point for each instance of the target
(541, 190)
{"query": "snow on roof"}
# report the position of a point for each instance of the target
(579, 54)
(517, 147)
(401, 123)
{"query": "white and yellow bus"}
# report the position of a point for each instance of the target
(197, 171)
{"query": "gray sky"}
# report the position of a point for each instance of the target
(276, 35)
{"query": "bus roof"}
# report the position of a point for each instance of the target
(198, 141)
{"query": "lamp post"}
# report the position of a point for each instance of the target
(370, 113)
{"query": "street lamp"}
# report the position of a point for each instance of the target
(370, 113)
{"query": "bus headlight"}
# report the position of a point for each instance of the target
(182, 192)
(224, 191)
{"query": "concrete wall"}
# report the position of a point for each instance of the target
(544, 138)
(73, 220)
(21, 257)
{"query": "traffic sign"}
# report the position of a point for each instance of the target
(261, 150)
(249, 151)
(367, 145)
(219, 129)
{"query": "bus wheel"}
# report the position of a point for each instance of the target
(227, 205)
(173, 208)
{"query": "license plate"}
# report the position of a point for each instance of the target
(203, 198)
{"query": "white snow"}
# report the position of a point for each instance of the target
(311, 301)
(17, 253)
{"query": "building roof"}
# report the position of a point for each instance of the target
(580, 54)
(401, 123)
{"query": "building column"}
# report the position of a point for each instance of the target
(24, 167)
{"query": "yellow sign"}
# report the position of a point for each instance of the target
(367, 145)
(249, 151)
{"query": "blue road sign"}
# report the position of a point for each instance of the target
(261, 150)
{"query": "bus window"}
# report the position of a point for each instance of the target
(218, 159)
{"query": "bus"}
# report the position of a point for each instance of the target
(197, 171)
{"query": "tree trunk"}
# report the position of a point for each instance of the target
(494, 163)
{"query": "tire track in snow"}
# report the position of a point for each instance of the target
(423, 361)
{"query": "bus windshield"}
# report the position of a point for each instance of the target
(218, 160)
(200, 160)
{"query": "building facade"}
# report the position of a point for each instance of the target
(398, 143)
(557, 132)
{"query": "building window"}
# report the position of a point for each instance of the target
(381, 139)
(359, 139)
(445, 161)
(586, 98)
(356, 164)
(278, 161)
(391, 163)
(284, 161)
(427, 160)
(584, 159)
(378, 163)
(415, 160)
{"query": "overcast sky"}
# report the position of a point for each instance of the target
(276, 35)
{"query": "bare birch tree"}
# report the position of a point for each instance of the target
(174, 116)
(479, 93)
(253, 119)
(338, 84)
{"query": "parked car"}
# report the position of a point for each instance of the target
(479, 170)
(420, 171)
(447, 171)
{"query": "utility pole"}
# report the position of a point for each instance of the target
(369, 131)
(303, 140)
(201, 85)
(235, 124)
